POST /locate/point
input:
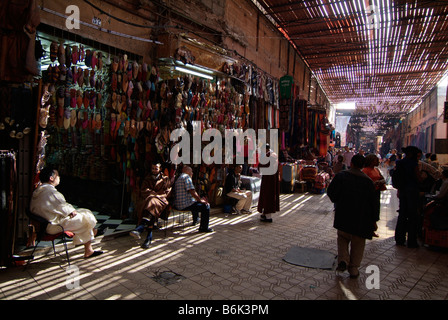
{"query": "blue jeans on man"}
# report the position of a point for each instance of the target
(204, 210)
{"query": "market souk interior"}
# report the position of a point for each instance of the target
(97, 87)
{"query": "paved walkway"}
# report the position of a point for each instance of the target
(241, 260)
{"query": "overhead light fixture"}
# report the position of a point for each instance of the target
(196, 73)
(195, 67)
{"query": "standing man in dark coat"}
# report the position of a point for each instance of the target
(353, 194)
(269, 201)
(408, 173)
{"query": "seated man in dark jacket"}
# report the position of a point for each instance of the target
(232, 189)
(353, 194)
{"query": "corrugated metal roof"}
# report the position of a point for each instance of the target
(384, 55)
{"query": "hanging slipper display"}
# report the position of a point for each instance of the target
(92, 79)
(99, 64)
(88, 58)
(94, 60)
(68, 56)
(73, 118)
(75, 55)
(125, 84)
(86, 77)
(99, 123)
(114, 64)
(54, 51)
(79, 100)
(61, 54)
(80, 77)
(67, 117)
(81, 54)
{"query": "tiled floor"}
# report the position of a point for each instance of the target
(241, 260)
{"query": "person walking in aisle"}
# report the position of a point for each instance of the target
(339, 165)
(406, 179)
(348, 155)
(353, 194)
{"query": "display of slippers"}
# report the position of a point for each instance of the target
(92, 78)
(114, 65)
(88, 58)
(94, 60)
(125, 83)
(114, 83)
(80, 77)
(99, 122)
(80, 118)
(86, 77)
(61, 54)
(75, 55)
(53, 51)
(73, 118)
(68, 56)
(99, 64)
(67, 117)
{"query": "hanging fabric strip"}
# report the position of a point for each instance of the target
(8, 182)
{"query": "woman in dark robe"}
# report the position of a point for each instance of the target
(269, 201)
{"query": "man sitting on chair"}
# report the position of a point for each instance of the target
(186, 198)
(232, 188)
(155, 191)
(51, 205)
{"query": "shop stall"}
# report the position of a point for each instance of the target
(105, 116)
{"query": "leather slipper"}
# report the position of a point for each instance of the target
(94, 254)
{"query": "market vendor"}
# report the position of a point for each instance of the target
(50, 204)
(154, 194)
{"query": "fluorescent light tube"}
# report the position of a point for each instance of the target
(195, 67)
(193, 73)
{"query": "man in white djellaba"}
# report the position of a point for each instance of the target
(50, 204)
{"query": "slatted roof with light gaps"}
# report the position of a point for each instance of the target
(384, 55)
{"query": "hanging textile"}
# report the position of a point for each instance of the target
(316, 129)
(261, 114)
(8, 181)
(323, 134)
(295, 127)
(284, 119)
(253, 112)
(312, 128)
(277, 118)
(286, 84)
